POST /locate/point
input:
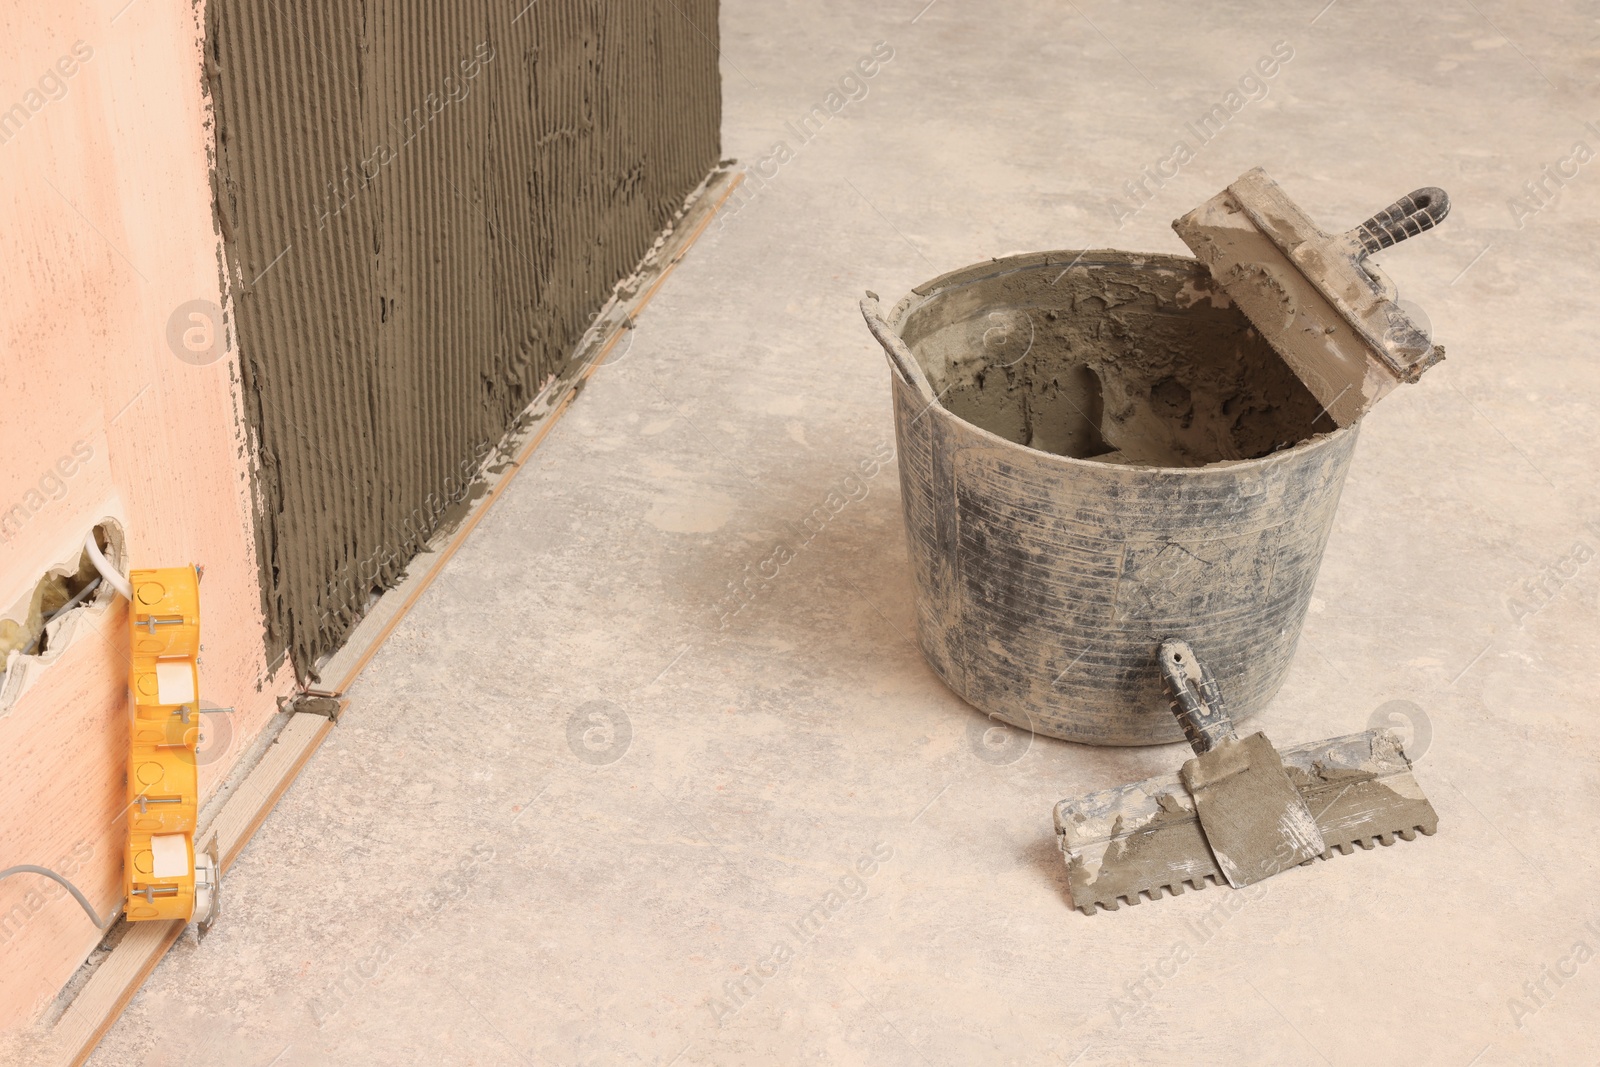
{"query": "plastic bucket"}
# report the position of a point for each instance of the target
(1097, 452)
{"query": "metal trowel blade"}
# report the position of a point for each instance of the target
(1254, 819)
(1312, 295)
(1135, 840)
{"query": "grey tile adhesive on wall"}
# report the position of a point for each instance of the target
(423, 206)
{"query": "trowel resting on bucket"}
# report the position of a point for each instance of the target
(1240, 811)
(1329, 312)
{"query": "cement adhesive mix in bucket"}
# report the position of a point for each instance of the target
(1102, 451)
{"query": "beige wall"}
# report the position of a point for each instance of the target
(106, 228)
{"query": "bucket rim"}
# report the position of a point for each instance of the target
(1069, 259)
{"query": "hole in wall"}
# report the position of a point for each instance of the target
(36, 627)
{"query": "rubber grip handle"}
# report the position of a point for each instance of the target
(1419, 210)
(1196, 700)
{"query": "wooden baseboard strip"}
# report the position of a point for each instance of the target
(108, 991)
(119, 976)
(609, 327)
(247, 809)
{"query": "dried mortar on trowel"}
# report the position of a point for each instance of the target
(1241, 811)
(1316, 298)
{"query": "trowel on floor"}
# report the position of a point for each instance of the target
(1315, 297)
(1240, 811)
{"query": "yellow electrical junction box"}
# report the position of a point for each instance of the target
(163, 786)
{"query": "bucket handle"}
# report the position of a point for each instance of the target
(894, 347)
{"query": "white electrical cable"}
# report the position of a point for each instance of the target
(94, 583)
(103, 565)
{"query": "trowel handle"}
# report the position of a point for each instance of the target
(1422, 209)
(1196, 700)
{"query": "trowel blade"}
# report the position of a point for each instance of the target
(1133, 839)
(1145, 837)
(1253, 817)
(1360, 790)
(1328, 313)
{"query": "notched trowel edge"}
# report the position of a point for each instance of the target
(1145, 837)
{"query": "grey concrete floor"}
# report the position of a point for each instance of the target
(460, 876)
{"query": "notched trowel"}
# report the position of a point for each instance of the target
(1315, 297)
(1253, 817)
(1239, 811)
